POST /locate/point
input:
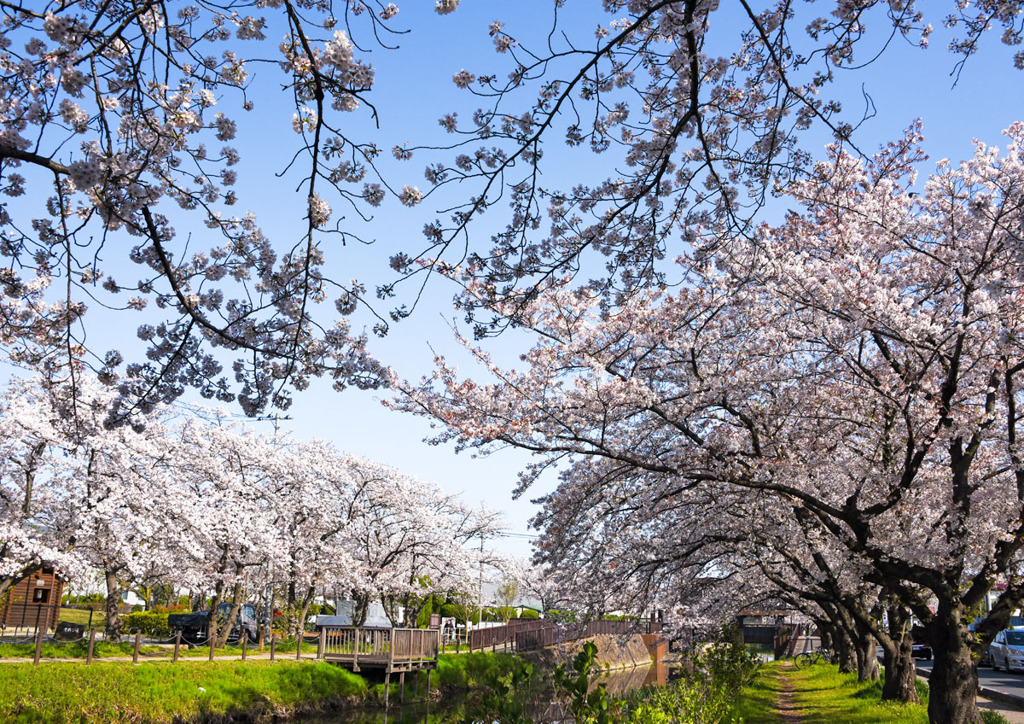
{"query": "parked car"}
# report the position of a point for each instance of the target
(1007, 650)
(193, 625)
(922, 649)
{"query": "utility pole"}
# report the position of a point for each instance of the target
(480, 590)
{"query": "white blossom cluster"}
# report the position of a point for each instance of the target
(201, 505)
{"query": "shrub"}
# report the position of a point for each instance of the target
(150, 623)
(561, 616)
(529, 613)
(452, 610)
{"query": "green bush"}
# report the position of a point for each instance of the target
(452, 610)
(529, 613)
(561, 616)
(150, 623)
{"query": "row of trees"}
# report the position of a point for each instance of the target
(824, 412)
(834, 393)
(211, 507)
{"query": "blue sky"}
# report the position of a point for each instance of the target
(413, 90)
(908, 83)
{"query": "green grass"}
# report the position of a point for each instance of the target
(757, 701)
(103, 649)
(158, 692)
(76, 650)
(824, 696)
(81, 617)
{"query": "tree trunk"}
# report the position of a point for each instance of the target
(825, 634)
(211, 616)
(291, 608)
(391, 607)
(307, 600)
(112, 631)
(360, 608)
(900, 671)
(867, 655)
(844, 650)
(954, 679)
(229, 624)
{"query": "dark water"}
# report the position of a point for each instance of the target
(546, 710)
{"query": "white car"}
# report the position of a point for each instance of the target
(1007, 650)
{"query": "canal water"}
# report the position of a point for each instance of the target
(459, 709)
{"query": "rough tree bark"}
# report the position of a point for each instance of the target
(112, 630)
(954, 679)
(898, 648)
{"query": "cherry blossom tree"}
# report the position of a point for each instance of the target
(116, 115)
(407, 538)
(677, 113)
(860, 361)
(126, 122)
(30, 534)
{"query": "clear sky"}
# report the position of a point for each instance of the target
(413, 90)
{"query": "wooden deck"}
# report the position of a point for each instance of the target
(390, 649)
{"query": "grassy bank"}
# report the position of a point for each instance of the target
(205, 691)
(104, 649)
(824, 696)
(157, 692)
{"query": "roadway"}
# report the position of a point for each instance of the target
(1011, 685)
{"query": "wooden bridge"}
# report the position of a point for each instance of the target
(395, 650)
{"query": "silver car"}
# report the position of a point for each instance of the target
(1007, 650)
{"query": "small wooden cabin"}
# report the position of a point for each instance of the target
(33, 597)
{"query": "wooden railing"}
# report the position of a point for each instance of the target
(387, 647)
(537, 638)
(535, 633)
(626, 626)
(350, 641)
(503, 636)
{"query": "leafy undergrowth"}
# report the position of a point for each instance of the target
(472, 670)
(824, 696)
(158, 692)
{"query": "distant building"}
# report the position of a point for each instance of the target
(34, 600)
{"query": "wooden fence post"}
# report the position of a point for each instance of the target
(298, 647)
(39, 636)
(135, 651)
(322, 645)
(245, 644)
(92, 644)
(177, 645)
(355, 651)
(273, 641)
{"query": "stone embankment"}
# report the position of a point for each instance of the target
(614, 652)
